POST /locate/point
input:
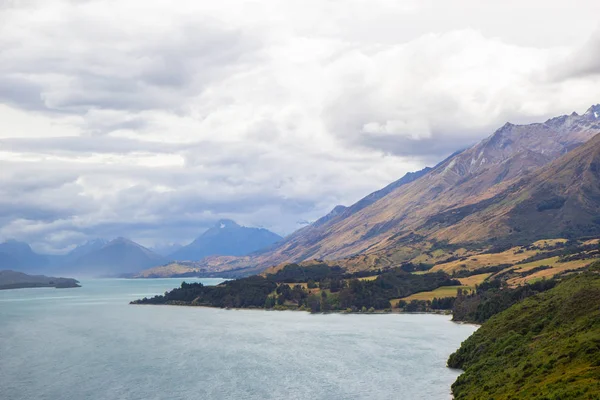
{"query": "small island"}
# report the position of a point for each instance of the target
(19, 280)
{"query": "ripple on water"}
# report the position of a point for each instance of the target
(94, 345)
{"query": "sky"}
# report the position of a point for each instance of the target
(152, 120)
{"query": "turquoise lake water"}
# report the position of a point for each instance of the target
(89, 343)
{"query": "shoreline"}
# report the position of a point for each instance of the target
(40, 287)
(342, 312)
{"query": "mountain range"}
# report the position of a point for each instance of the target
(119, 256)
(19, 255)
(434, 203)
(122, 256)
(522, 183)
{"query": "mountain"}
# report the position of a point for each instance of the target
(475, 196)
(341, 212)
(561, 199)
(226, 238)
(19, 256)
(86, 248)
(166, 249)
(467, 178)
(117, 257)
(303, 244)
(17, 280)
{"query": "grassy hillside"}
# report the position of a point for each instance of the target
(545, 347)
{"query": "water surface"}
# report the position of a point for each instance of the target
(88, 343)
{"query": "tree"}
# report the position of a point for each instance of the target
(324, 304)
(270, 302)
(314, 303)
(281, 299)
(335, 285)
(298, 294)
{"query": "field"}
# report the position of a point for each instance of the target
(503, 265)
(444, 291)
(511, 256)
(473, 280)
(368, 278)
(547, 273)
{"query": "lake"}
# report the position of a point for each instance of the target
(89, 343)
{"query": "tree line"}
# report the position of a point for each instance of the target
(318, 288)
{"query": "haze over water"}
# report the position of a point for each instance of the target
(89, 343)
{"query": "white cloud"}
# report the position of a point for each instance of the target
(153, 119)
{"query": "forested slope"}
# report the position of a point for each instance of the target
(545, 347)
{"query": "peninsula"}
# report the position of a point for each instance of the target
(18, 280)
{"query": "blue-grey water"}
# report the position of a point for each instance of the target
(88, 343)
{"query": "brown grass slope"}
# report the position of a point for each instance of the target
(468, 179)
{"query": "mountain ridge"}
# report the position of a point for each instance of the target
(16, 255)
(469, 181)
(117, 257)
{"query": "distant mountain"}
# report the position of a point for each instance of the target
(166, 249)
(18, 280)
(9, 261)
(226, 238)
(86, 248)
(19, 256)
(117, 257)
(62, 262)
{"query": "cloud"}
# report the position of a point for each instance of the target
(152, 120)
(579, 63)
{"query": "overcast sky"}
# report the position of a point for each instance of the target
(153, 119)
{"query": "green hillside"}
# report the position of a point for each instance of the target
(545, 347)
